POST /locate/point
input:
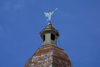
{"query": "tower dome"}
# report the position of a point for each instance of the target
(49, 56)
(49, 26)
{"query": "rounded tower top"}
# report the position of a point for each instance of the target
(49, 27)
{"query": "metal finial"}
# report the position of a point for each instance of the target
(49, 24)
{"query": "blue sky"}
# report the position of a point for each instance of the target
(78, 23)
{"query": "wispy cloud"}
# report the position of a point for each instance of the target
(9, 5)
(19, 4)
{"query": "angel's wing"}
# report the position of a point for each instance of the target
(46, 14)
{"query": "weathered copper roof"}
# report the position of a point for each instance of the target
(49, 26)
(49, 56)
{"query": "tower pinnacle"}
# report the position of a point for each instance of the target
(49, 24)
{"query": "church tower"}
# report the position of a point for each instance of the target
(49, 54)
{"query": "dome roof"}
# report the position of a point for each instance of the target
(49, 56)
(49, 26)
